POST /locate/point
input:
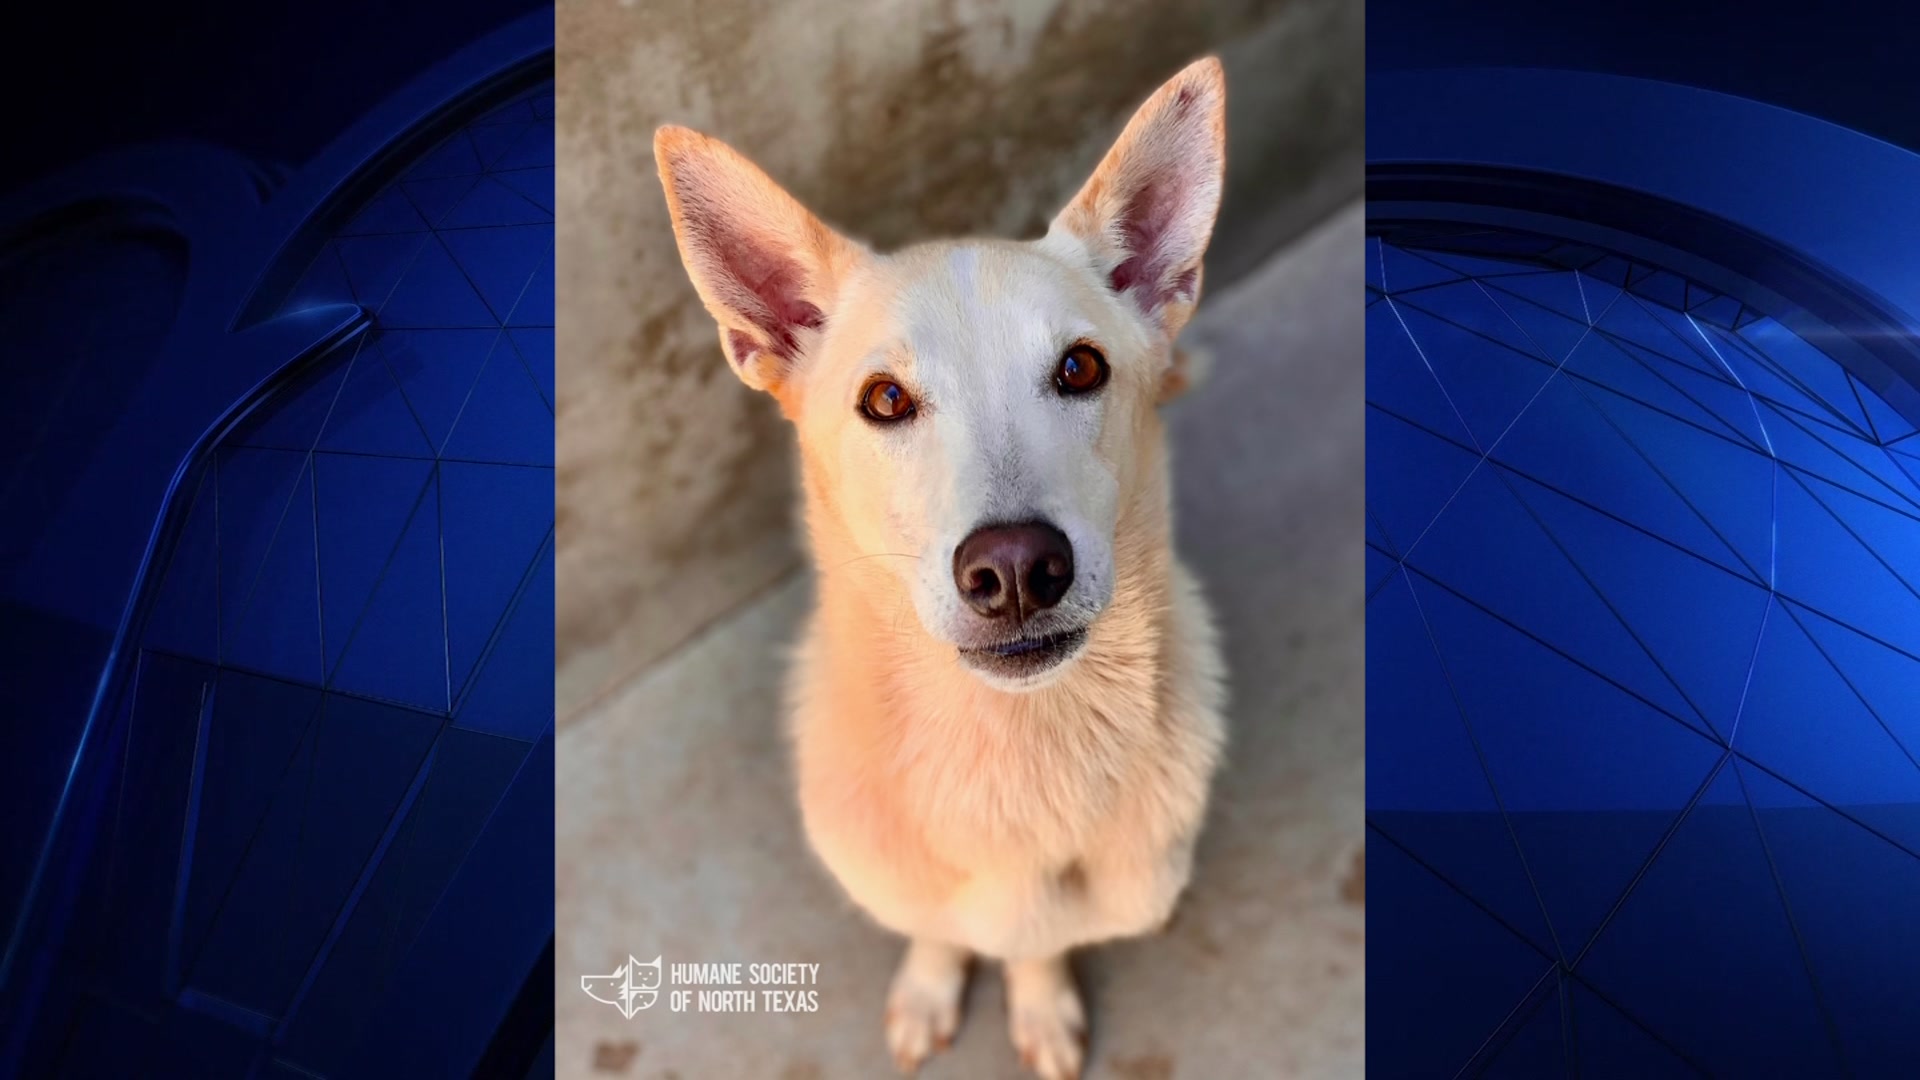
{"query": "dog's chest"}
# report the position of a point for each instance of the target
(1013, 843)
(1118, 878)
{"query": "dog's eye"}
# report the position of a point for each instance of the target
(1082, 370)
(886, 401)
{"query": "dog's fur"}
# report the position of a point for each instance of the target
(975, 813)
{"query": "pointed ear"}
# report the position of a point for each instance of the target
(767, 270)
(1146, 214)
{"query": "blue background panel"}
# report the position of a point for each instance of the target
(1643, 653)
(291, 772)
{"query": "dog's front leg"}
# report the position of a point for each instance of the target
(923, 1007)
(1045, 1016)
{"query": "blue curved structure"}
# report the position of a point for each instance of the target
(276, 572)
(1643, 543)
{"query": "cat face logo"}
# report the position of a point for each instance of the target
(631, 987)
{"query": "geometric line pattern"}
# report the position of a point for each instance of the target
(348, 652)
(1644, 651)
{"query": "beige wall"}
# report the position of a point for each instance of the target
(896, 120)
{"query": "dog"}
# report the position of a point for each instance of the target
(1005, 711)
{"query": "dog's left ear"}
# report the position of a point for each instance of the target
(1146, 214)
(767, 269)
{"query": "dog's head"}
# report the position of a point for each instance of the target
(970, 412)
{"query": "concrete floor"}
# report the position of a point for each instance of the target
(678, 835)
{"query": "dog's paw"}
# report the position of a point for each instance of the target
(1045, 1017)
(923, 1007)
(918, 1025)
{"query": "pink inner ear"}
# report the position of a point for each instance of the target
(1147, 225)
(778, 284)
(741, 347)
(1166, 174)
(761, 284)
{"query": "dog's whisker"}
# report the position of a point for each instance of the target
(899, 609)
(863, 558)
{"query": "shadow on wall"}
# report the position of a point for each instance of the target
(676, 483)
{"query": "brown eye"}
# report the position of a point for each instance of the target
(885, 401)
(1082, 370)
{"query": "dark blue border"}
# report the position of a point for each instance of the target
(1681, 175)
(247, 242)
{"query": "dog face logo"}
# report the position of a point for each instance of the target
(630, 987)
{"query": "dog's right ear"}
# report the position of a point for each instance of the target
(1145, 215)
(767, 269)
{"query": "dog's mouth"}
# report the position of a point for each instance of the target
(1025, 657)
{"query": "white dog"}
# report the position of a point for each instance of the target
(1006, 709)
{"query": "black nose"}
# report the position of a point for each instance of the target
(1013, 571)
